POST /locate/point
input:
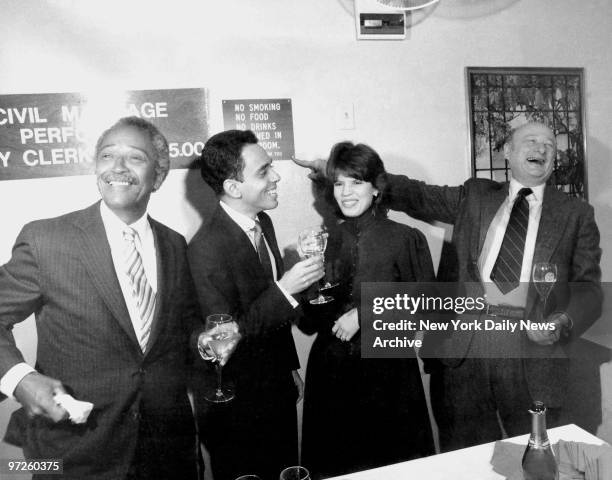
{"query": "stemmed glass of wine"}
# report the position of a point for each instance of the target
(544, 276)
(328, 282)
(313, 241)
(295, 473)
(217, 343)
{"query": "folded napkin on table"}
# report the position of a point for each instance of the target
(595, 461)
(576, 460)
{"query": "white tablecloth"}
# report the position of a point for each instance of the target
(466, 464)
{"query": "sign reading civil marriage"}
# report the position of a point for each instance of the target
(54, 134)
(270, 119)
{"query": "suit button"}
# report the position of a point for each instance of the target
(136, 414)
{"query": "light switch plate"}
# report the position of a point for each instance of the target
(345, 116)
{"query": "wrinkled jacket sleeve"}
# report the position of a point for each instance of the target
(20, 295)
(423, 201)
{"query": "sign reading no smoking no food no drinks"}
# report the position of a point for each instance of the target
(54, 134)
(270, 119)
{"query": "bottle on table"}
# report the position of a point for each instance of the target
(539, 462)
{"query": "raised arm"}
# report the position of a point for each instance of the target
(218, 290)
(416, 198)
(423, 201)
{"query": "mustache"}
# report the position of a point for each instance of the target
(119, 177)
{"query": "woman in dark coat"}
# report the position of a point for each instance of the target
(362, 413)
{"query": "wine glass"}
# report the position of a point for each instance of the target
(544, 276)
(248, 477)
(328, 282)
(295, 473)
(313, 241)
(217, 343)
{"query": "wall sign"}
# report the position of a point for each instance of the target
(270, 119)
(54, 134)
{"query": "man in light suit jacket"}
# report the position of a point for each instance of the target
(500, 374)
(238, 270)
(113, 300)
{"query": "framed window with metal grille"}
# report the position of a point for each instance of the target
(500, 99)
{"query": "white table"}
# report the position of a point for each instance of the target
(471, 463)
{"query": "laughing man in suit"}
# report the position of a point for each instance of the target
(238, 270)
(101, 337)
(481, 382)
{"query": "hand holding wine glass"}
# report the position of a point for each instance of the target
(544, 276)
(312, 242)
(217, 343)
(303, 274)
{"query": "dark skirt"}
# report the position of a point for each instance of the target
(361, 413)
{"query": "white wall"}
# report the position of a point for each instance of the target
(409, 96)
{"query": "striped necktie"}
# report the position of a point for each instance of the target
(141, 289)
(506, 272)
(262, 251)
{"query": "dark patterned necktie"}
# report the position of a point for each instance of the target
(262, 251)
(506, 273)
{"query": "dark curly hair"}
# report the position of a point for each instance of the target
(360, 162)
(222, 157)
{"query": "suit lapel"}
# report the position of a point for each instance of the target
(243, 249)
(95, 254)
(552, 222)
(165, 282)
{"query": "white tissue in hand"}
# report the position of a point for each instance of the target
(78, 411)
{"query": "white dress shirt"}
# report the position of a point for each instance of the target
(145, 245)
(247, 224)
(494, 239)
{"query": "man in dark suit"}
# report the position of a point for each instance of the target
(238, 270)
(490, 378)
(113, 298)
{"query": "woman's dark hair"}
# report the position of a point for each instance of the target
(362, 163)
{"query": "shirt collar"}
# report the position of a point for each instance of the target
(115, 226)
(245, 222)
(515, 186)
